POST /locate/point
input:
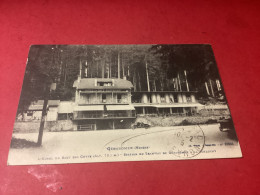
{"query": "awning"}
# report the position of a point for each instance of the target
(89, 108)
(142, 105)
(178, 105)
(216, 107)
(35, 107)
(120, 107)
(65, 107)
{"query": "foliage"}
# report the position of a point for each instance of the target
(153, 65)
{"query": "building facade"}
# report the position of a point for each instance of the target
(34, 111)
(165, 103)
(103, 104)
(107, 103)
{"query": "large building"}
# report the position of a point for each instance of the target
(34, 111)
(111, 103)
(165, 103)
(103, 104)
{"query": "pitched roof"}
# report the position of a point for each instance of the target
(35, 107)
(120, 107)
(38, 105)
(90, 83)
(53, 102)
(65, 107)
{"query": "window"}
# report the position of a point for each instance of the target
(162, 98)
(104, 97)
(175, 98)
(119, 98)
(188, 98)
(62, 116)
(65, 116)
(29, 113)
(104, 84)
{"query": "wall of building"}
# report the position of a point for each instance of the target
(52, 114)
(29, 116)
(33, 126)
(174, 120)
(166, 98)
(97, 98)
(26, 126)
(62, 125)
(217, 112)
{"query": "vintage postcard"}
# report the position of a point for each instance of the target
(105, 103)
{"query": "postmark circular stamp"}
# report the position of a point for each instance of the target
(187, 142)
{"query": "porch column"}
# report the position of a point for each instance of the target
(153, 98)
(179, 97)
(171, 98)
(143, 110)
(113, 124)
(184, 98)
(76, 96)
(167, 98)
(158, 98)
(193, 99)
(144, 98)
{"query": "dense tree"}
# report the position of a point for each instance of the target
(192, 64)
(148, 67)
(43, 70)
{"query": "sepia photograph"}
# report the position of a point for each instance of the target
(107, 103)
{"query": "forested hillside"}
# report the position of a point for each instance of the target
(148, 67)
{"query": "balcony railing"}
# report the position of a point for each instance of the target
(104, 101)
(81, 115)
(119, 115)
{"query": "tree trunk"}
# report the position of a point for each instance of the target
(109, 66)
(139, 82)
(108, 70)
(176, 83)
(147, 76)
(179, 80)
(118, 64)
(187, 84)
(154, 85)
(207, 89)
(134, 81)
(80, 68)
(96, 62)
(211, 87)
(122, 64)
(218, 85)
(103, 67)
(65, 74)
(91, 74)
(162, 85)
(44, 113)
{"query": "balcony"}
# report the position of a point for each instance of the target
(127, 114)
(87, 116)
(103, 101)
(102, 115)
